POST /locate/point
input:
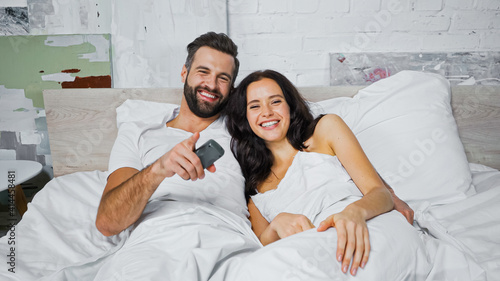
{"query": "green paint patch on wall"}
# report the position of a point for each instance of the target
(36, 63)
(31, 64)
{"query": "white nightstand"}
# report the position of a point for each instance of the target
(15, 172)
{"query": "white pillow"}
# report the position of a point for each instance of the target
(148, 112)
(405, 126)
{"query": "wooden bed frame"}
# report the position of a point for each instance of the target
(82, 122)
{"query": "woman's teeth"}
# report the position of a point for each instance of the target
(269, 124)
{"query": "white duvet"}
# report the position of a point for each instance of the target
(57, 240)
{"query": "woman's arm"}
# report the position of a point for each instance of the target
(340, 140)
(400, 205)
(353, 242)
(260, 226)
(283, 225)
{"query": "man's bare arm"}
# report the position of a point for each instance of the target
(124, 199)
(128, 190)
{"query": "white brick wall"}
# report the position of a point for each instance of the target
(295, 37)
(360, 6)
(149, 38)
(291, 36)
(428, 5)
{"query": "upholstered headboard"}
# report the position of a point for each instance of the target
(82, 122)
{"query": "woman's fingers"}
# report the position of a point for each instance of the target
(341, 243)
(367, 248)
(305, 223)
(357, 248)
(286, 224)
(353, 243)
(359, 251)
(350, 245)
(327, 223)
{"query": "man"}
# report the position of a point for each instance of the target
(208, 75)
(158, 188)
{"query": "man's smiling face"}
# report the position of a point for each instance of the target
(208, 82)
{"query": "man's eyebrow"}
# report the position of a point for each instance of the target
(201, 67)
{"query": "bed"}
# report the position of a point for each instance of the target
(437, 146)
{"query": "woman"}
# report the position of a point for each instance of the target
(273, 131)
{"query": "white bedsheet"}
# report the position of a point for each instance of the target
(57, 240)
(471, 226)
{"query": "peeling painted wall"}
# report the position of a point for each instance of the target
(148, 37)
(14, 20)
(30, 64)
(465, 68)
(69, 16)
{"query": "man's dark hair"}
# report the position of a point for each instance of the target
(218, 41)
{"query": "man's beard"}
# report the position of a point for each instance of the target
(200, 108)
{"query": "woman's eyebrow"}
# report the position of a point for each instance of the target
(252, 101)
(270, 97)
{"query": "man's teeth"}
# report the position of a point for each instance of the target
(268, 124)
(207, 95)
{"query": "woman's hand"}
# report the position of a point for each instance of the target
(403, 208)
(400, 205)
(286, 224)
(353, 242)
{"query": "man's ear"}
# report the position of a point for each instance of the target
(184, 73)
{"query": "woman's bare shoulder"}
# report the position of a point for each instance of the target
(329, 122)
(326, 129)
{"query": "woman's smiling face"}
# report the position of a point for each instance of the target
(267, 110)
